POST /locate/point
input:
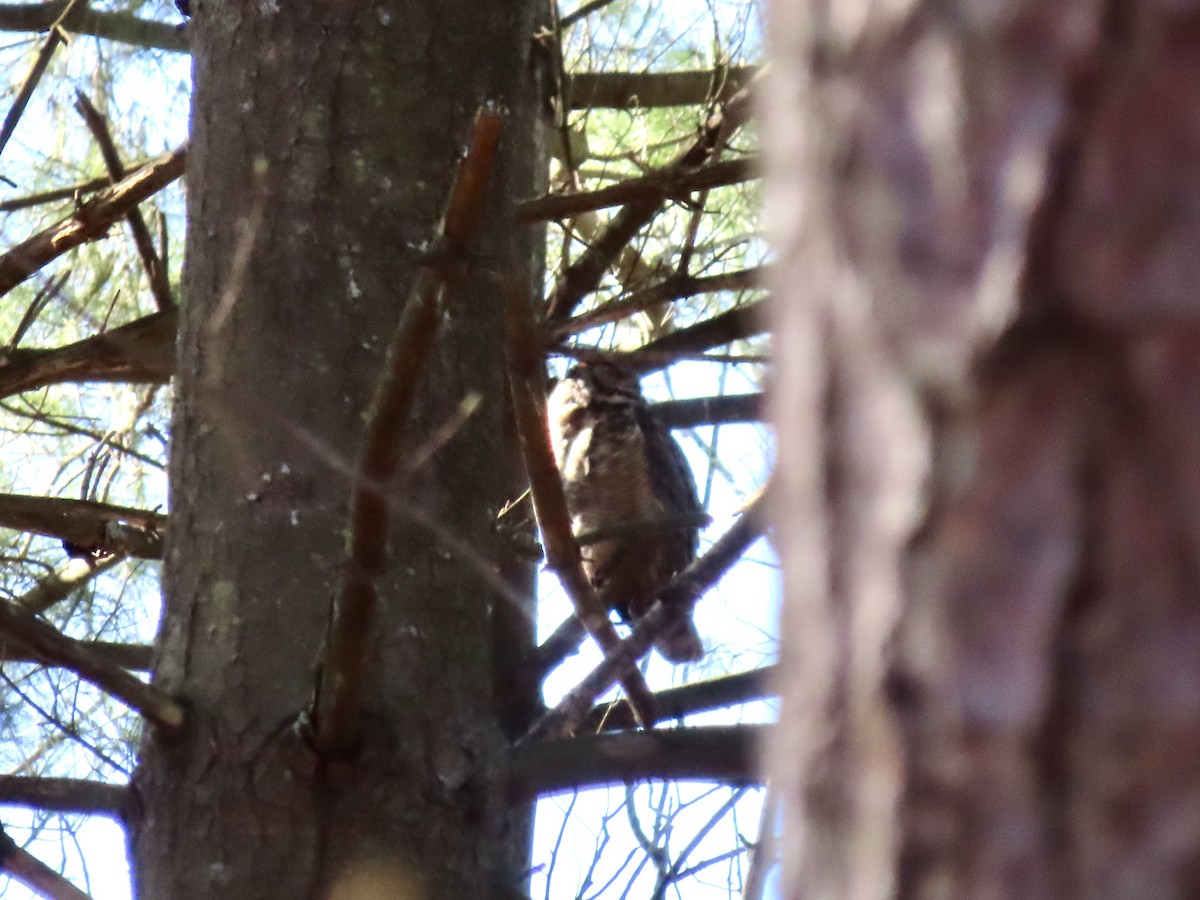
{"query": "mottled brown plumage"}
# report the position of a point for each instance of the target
(627, 479)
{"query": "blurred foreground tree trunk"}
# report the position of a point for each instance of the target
(325, 137)
(988, 407)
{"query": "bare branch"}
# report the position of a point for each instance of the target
(140, 351)
(582, 12)
(135, 657)
(633, 90)
(675, 601)
(61, 583)
(661, 185)
(91, 220)
(736, 324)
(58, 194)
(709, 410)
(156, 269)
(338, 704)
(25, 91)
(63, 795)
(34, 874)
(53, 648)
(674, 703)
(87, 524)
(715, 753)
(114, 26)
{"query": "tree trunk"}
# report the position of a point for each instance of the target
(325, 137)
(988, 215)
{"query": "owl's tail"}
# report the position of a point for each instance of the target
(681, 643)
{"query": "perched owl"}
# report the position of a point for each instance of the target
(623, 471)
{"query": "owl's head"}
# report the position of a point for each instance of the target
(592, 390)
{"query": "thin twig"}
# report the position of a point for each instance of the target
(337, 710)
(674, 602)
(563, 557)
(156, 269)
(91, 220)
(43, 297)
(582, 12)
(45, 54)
(53, 648)
(70, 192)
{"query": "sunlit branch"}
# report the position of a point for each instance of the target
(338, 706)
(87, 524)
(63, 795)
(715, 753)
(661, 185)
(674, 602)
(55, 649)
(34, 874)
(91, 221)
(155, 267)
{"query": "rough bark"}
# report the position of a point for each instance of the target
(325, 137)
(988, 212)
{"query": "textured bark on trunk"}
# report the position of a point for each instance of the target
(988, 221)
(325, 136)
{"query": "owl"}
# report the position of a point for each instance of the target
(624, 475)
